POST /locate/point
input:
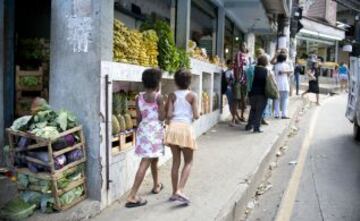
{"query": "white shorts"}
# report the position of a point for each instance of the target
(343, 77)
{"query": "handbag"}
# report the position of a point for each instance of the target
(271, 89)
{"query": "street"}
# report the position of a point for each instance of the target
(329, 182)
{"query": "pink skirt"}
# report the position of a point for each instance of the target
(180, 134)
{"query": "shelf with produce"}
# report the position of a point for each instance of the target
(29, 80)
(206, 102)
(216, 91)
(126, 72)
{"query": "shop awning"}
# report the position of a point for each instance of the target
(320, 31)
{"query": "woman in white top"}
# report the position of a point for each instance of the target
(282, 73)
(182, 108)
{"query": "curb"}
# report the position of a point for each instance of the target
(235, 208)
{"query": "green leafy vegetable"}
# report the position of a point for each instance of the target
(21, 123)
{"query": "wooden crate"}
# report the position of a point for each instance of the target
(36, 143)
(123, 141)
(23, 106)
(56, 191)
(35, 73)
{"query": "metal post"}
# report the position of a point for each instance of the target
(336, 51)
(220, 32)
(182, 33)
(9, 69)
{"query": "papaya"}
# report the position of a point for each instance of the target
(132, 113)
(128, 121)
(115, 125)
(122, 123)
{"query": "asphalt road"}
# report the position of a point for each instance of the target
(329, 184)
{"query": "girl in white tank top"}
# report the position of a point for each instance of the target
(179, 136)
(182, 108)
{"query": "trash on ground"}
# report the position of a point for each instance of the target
(279, 154)
(283, 148)
(272, 165)
(263, 188)
(293, 162)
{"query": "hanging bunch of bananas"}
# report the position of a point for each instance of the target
(120, 49)
(150, 43)
(135, 52)
(134, 47)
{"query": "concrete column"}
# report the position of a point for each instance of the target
(220, 33)
(250, 41)
(2, 119)
(182, 34)
(81, 36)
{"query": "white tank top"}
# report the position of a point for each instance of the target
(182, 108)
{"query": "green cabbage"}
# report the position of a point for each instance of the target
(21, 123)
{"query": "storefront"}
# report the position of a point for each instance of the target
(322, 39)
(90, 66)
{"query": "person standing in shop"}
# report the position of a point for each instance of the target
(182, 111)
(282, 73)
(150, 108)
(240, 84)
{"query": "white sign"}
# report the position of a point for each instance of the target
(79, 32)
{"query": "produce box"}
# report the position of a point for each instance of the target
(61, 191)
(29, 80)
(55, 156)
(123, 141)
(23, 106)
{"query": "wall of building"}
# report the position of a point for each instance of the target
(324, 10)
(1, 74)
(75, 72)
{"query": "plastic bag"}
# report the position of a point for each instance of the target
(46, 204)
(31, 197)
(22, 180)
(17, 210)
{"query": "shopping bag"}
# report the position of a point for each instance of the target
(271, 89)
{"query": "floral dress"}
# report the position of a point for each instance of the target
(150, 132)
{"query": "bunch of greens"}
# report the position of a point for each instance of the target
(29, 81)
(170, 58)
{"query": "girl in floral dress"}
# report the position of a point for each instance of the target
(150, 109)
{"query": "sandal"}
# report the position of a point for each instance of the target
(182, 198)
(161, 187)
(173, 198)
(139, 202)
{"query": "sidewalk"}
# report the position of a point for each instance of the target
(227, 169)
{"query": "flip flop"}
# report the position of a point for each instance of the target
(139, 202)
(173, 198)
(157, 192)
(182, 199)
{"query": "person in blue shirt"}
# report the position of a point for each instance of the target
(343, 76)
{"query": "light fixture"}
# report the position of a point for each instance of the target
(226, 50)
(236, 38)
